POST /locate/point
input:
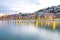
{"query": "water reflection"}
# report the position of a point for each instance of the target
(29, 30)
(48, 24)
(38, 23)
(54, 25)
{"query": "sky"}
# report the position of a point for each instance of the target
(25, 6)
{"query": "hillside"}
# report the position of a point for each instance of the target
(50, 11)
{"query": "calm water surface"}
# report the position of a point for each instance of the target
(29, 30)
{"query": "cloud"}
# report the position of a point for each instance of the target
(17, 5)
(46, 3)
(25, 5)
